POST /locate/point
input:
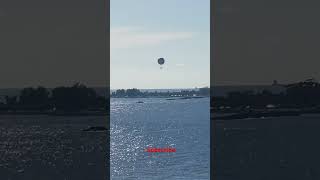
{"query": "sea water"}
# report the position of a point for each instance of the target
(183, 124)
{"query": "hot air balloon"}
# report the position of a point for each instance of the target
(161, 61)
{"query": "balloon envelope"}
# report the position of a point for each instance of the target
(161, 61)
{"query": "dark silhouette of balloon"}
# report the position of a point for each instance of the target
(161, 61)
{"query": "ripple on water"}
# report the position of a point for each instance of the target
(183, 125)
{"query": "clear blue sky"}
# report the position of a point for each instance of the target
(144, 30)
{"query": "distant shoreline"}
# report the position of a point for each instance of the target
(56, 113)
(168, 97)
(262, 113)
(137, 93)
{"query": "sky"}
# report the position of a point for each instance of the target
(53, 43)
(144, 30)
(258, 41)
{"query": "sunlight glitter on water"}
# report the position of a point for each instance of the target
(183, 125)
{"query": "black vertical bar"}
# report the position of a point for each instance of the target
(212, 122)
(107, 41)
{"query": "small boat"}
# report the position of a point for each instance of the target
(170, 99)
(140, 102)
(95, 129)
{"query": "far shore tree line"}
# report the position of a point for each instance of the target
(136, 93)
(72, 99)
(305, 94)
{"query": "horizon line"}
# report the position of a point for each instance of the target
(160, 88)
